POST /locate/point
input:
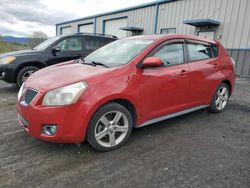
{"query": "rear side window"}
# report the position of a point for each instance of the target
(215, 50)
(199, 51)
(171, 54)
(93, 43)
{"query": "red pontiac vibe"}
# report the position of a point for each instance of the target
(128, 83)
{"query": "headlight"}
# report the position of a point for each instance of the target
(7, 60)
(20, 93)
(64, 95)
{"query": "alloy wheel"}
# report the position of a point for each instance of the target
(111, 129)
(221, 98)
(27, 74)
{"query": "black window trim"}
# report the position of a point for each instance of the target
(191, 41)
(161, 45)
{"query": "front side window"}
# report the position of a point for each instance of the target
(171, 54)
(118, 53)
(70, 44)
(199, 52)
(46, 43)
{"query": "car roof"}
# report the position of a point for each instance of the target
(172, 36)
(91, 34)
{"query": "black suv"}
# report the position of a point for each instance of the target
(16, 67)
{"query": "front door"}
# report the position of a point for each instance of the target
(165, 89)
(70, 48)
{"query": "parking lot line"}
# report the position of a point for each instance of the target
(13, 132)
(8, 120)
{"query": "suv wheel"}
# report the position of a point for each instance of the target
(24, 73)
(220, 98)
(110, 127)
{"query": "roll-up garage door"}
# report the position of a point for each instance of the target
(112, 27)
(65, 30)
(86, 28)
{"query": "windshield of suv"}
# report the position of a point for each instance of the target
(46, 43)
(119, 52)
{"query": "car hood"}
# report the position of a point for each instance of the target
(63, 74)
(19, 53)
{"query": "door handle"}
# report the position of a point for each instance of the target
(183, 72)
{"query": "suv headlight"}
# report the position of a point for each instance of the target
(64, 95)
(7, 60)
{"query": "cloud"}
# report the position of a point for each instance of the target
(24, 10)
(11, 32)
(22, 17)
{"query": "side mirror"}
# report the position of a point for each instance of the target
(56, 49)
(152, 62)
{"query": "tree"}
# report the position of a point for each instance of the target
(36, 38)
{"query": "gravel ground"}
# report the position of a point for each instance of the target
(199, 149)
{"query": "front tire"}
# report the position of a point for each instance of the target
(220, 98)
(24, 73)
(110, 127)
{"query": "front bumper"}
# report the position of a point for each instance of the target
(70, 121)
(7, 73)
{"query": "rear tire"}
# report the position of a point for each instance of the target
(220, 98)
(110, 127)
(24, 73)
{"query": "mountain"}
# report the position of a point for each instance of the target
(11, 39)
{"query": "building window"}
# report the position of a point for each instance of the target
(65, 30)
(168, 30)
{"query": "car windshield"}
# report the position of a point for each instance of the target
(46, 43)
(118, 53)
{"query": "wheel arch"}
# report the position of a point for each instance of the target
(129, 104)
(37, 64)
(229, 84)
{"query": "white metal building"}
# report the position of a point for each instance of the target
(225, 20)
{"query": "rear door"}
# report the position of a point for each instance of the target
(92, 43)
(165, 89)
(204, 70)
(70, 48)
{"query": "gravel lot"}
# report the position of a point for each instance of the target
(195, 150)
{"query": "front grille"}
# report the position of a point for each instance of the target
(29, 96)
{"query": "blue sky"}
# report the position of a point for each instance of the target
(22, 17)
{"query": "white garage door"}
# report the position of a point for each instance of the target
(86, 28)
(65, 30)
(112, 27)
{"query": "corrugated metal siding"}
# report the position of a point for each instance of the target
(233, 14)
(242, 59)
(74, 25)
(143, 18)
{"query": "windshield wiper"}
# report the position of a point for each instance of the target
(93, 63)
(81, 60)
(98, 63)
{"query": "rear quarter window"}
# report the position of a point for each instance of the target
(215, 50)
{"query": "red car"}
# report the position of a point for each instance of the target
(128, 83)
